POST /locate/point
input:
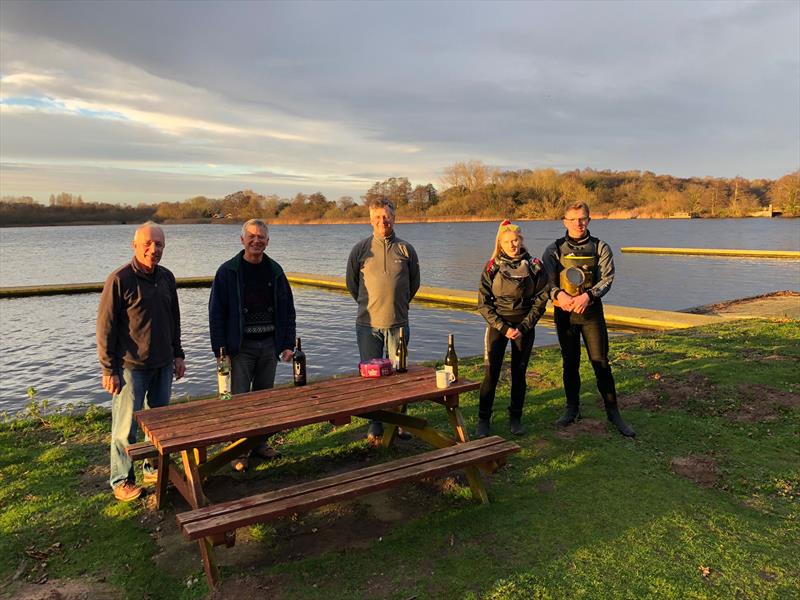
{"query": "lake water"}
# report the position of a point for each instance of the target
(48, 342)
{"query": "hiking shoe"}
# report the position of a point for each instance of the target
(149, 477)
(402, 434)
(375, 432)
(125, 492)
(239, 464)
(265, 452)
(571, 415)
(482, 430)
(516, 425)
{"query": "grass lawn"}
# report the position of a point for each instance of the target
(703, 504)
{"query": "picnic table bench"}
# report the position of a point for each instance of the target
(241, 422)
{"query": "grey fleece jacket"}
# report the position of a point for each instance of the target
(138, 320)
(383, 277)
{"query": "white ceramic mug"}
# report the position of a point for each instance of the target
(444, 378)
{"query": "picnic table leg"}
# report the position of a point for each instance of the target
(163, 478)
(460, 428)
(390, 430)
(197, 499)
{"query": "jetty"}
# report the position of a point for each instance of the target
(723, 252)
(620, 317)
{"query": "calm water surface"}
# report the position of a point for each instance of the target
(49, 342)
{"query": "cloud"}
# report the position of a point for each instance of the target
(299, 95)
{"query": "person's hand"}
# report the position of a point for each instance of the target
(513, 334)
(579, 303)
(111, 384)
(565, 301)
(287, 355)
(180, 368)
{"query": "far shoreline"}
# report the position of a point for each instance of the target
(614, 216)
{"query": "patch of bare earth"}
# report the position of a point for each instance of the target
(67, 589)
(538, 381)
(671, 392)
(753, 402)
(702, 470)
(239, 587)
(354, 524)
(761, 403)
(591, 427)
(94, 479)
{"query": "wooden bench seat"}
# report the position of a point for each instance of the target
(142, 450)
(227, 516)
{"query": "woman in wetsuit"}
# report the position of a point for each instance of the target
(511, 297)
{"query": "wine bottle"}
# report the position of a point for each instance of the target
(299, 364)
(224, 375)
(451, 360)
(402, 353)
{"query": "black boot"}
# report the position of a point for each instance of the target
(570, 416)
(516, 425)
(482, 430)
(612, 411)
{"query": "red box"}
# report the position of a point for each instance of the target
(377, 367)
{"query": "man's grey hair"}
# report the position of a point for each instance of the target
(576, 206)
(258, 223)
(146, 225)
(382, 202)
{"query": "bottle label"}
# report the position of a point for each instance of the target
(224, 385)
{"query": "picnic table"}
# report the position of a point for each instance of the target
(188, 430)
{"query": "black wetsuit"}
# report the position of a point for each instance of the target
(512, 293)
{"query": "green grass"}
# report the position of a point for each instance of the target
(587, 516)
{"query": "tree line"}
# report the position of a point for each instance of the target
(470, 190)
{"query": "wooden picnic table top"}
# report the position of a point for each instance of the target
(202, 423)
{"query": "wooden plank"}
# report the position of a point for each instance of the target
(217, 430)
(187, 417)
(350, 477)
(322, 389)
(238, 517)
(141, 450)
(281, 417)
(167, 425)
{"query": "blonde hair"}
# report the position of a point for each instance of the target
(502, 228)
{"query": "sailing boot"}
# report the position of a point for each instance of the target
(516, 425)
(612, 411)
(571, 415)
(482, 430)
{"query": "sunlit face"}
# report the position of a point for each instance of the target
(382, 220)
(255, 241)
(577, 223)
(510, 242)
(148, 247)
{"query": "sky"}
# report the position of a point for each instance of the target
(161, 101)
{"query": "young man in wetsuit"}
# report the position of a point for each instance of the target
(581, 271)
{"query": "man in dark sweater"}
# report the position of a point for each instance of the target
(251, 315)
(139, 347)
(581, 271)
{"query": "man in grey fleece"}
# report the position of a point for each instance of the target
(139, 347)
(383, 277)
